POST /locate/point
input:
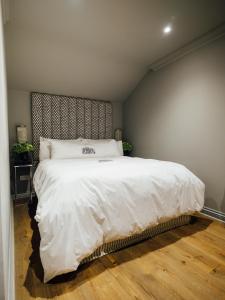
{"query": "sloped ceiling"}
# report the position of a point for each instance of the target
(98, 48)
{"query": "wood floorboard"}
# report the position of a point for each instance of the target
(184, 263)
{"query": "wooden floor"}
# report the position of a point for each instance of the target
(185, 263)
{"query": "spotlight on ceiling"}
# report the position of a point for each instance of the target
(167, 29)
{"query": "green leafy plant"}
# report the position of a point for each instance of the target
(127, 147)
(22, 148)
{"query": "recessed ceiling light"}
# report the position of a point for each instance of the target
(167, 29)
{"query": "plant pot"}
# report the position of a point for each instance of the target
(23, 158)
(126, 153)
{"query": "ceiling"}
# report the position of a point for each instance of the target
(98, 48)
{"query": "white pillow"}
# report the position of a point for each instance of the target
(83, 150)
(119, 143)
(45, 146)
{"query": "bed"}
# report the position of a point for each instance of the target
(93, 206)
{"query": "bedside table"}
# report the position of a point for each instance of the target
(18, 178)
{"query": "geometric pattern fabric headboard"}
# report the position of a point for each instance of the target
(65, 117)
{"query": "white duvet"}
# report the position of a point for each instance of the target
(83, 203)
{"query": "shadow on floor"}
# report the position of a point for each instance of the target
(68, 282)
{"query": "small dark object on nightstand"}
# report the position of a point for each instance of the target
(23, 158)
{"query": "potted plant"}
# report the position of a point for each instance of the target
(22, 153)
(127, 148)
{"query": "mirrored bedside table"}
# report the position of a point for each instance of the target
(23, 175)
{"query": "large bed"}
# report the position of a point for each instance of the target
(90, 207)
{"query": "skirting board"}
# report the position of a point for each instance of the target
(213, 213)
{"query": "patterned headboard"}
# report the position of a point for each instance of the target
(65, 117)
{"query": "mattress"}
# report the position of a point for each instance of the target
(84, 204)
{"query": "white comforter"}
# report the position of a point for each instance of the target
(83, 203)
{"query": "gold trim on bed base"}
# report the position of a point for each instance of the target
(148, 233)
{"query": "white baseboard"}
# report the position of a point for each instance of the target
(218, 215)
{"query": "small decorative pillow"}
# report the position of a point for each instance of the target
(83, 150)
(90, 141)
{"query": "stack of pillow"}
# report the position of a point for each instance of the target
(79, 148)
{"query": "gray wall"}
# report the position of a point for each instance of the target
(20, 112)
(54, 63)
(99, 49)
(178, 114)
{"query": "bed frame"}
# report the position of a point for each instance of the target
(65, 117)
(136, 238)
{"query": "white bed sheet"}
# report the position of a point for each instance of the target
(83, 203)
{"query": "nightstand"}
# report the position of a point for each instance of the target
(23, 174)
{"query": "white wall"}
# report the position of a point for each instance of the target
(178, 114)
(5, 207)
(20, 112)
